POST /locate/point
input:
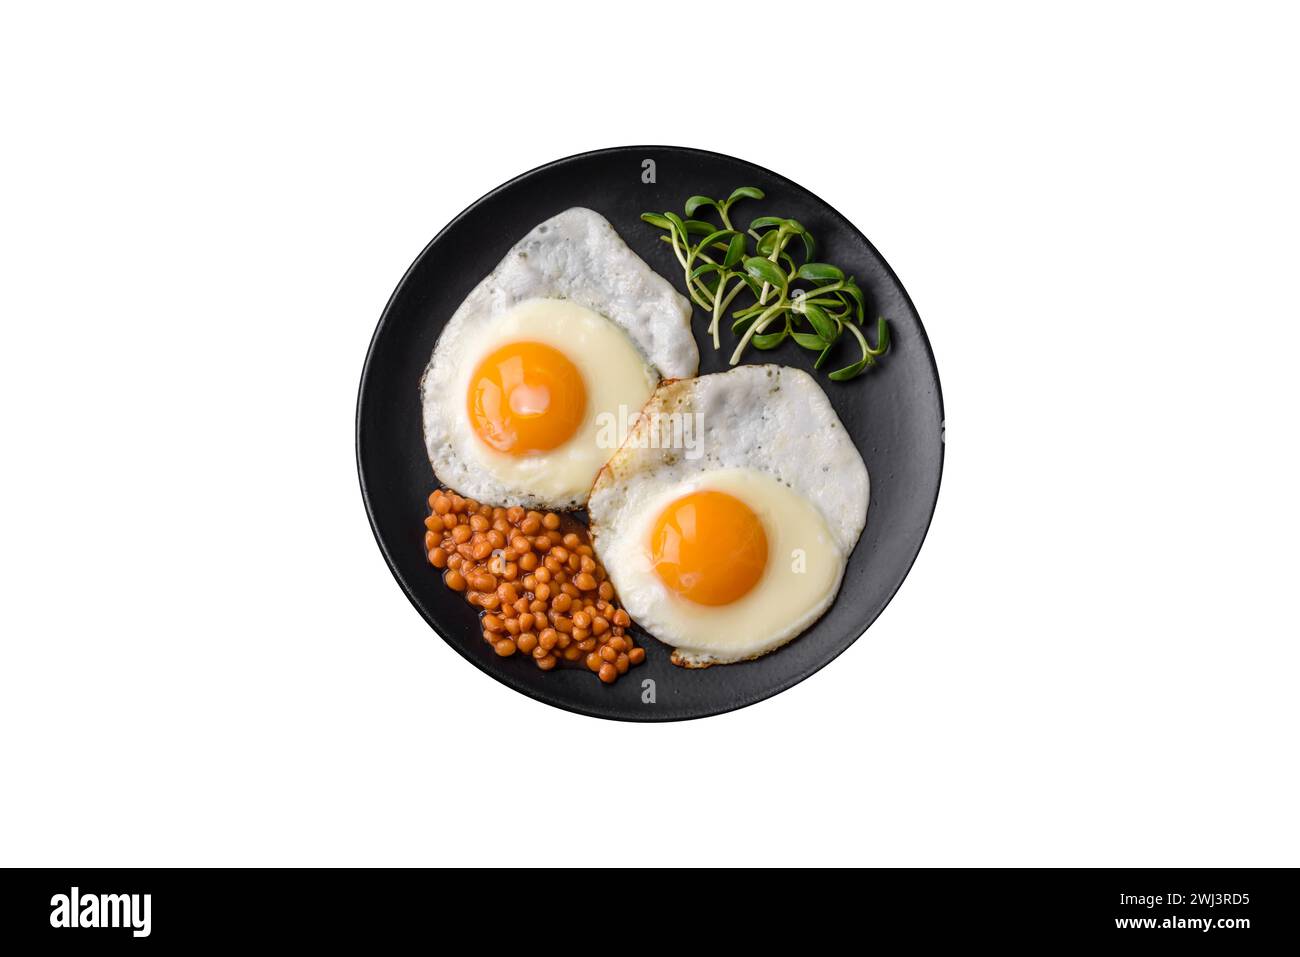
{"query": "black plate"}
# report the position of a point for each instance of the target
(894, 414)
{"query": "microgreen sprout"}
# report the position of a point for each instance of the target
(718, 264)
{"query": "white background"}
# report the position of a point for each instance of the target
(205, 659)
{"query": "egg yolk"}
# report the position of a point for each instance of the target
(709, 547)
(526, 397)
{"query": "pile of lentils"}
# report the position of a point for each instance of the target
(535, 576)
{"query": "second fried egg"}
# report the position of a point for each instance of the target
(727, 519)
(725, 566)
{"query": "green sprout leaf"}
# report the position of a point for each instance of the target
(810, 341)
(765, 270)
(826, 327)
(852, 289)
(882, 338)
(699, 271)
(769, 340)
(856, 368)
(714, 235)
(735, 251)
(695, 202)
(820, 272)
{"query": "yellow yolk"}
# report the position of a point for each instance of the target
(526, 397)
(709, 547)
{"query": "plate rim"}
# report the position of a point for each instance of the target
(539, 695)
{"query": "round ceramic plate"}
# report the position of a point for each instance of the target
(893, 412)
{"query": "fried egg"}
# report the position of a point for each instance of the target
(727, 518)
(537, 375)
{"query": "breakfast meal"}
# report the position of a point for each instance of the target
(720, 510)
(730, 553)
